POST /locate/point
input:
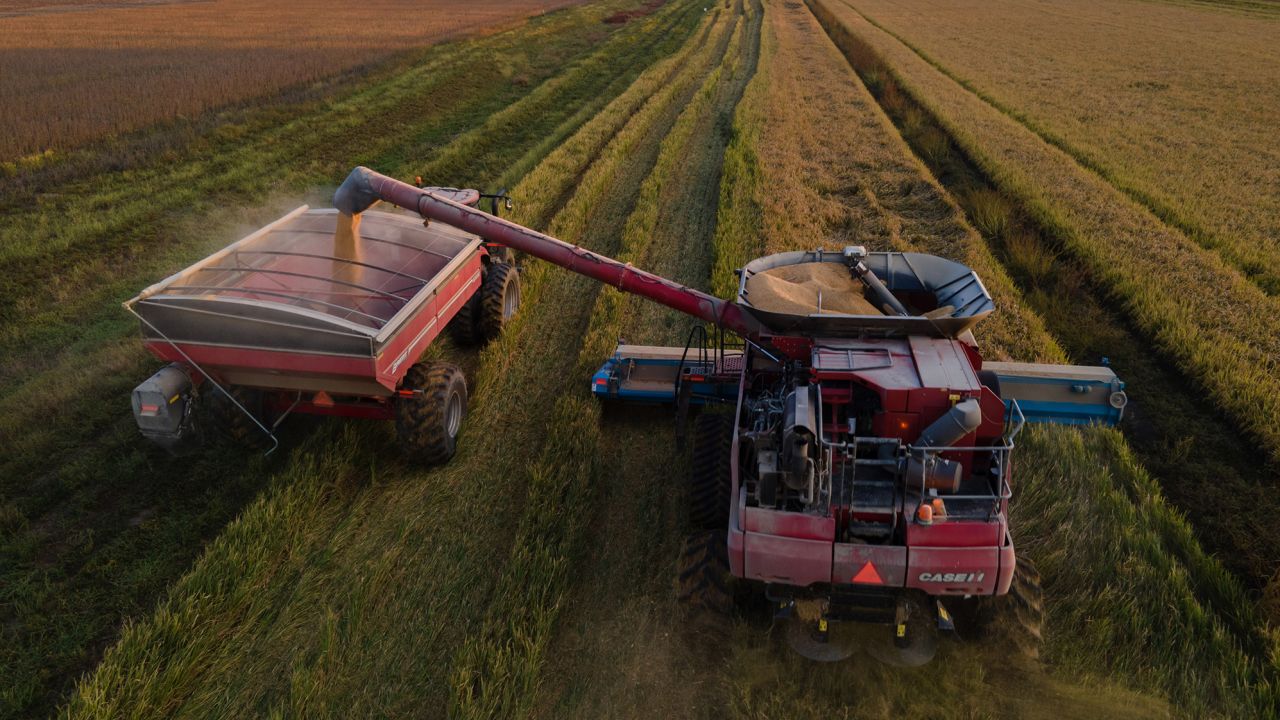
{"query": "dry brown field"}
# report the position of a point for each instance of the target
(1178, 105)
(73, 72)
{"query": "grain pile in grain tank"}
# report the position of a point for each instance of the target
(809, 288)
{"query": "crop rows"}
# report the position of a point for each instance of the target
(440, 528)
(74, 467)
(762, 210)
(1236, 667)
(71, 77)
(1187, 129)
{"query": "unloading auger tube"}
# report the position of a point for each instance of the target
(363, 187)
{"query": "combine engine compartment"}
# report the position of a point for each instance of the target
(878, 466)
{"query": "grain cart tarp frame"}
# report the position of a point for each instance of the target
(316, 320)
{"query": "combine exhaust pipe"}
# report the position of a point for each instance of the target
(363, 187)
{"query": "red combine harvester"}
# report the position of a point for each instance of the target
(864, 473)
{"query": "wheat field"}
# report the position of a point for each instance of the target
(1179, 106)
(91, 70)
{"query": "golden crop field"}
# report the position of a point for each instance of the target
(89, 70)
(1177, 105)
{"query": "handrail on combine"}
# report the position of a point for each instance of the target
(363, 187)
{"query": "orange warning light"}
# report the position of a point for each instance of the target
(925, 514)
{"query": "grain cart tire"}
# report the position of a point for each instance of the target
(231, 422)
(428, 420)
(709, 479)
(465, 326)
(703, 581)
(1014, 620)
(499, 299)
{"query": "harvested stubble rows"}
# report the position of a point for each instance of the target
(1219, 652)
(1176, 105)
(72, 76)
(1217, 326)
(96, 524)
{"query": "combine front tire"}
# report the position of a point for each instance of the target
(429, 419)
(499, 299)
(703, 579)
(710, 482)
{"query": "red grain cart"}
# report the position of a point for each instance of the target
(312, 314)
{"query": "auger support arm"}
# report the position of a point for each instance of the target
(363, 187)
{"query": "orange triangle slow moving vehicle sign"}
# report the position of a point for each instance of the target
(868, 575)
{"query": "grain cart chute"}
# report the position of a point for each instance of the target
(327, 314)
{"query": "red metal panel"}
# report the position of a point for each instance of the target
(789, 560)
(889, 561)
(406, 346)
(953, 571)
(956, 533)
(212, 357)
(789, 524)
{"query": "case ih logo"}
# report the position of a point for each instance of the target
(952, 577)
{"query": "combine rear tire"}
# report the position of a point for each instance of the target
(499, 299)
(231, 422)
(428, 422)
(709, 481)
(1014, 619)
(703, 579)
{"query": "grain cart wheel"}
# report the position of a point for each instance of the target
(499, 299)
(709, 480)
(231, 422)
(429, 419)
(465, 326)
(1014, 619)
(703, 578)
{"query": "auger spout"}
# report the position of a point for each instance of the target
(363, 187)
